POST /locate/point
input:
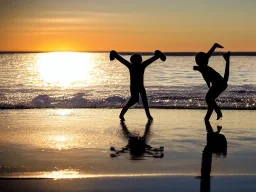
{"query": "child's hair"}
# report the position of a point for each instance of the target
(136, 59)
(202, 59)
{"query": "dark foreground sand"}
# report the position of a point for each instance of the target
(179, 184)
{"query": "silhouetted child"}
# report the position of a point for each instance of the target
(214, 80)
(137, 68)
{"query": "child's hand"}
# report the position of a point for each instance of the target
(227, 56)
(217, 45)
(112, 55)
(160, 55)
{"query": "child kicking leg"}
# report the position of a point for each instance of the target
(214, 80)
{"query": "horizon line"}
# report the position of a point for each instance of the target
(168, 53)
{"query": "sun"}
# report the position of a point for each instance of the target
(64, 68)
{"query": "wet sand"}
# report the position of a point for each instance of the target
(73, 144)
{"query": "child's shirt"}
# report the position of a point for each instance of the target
(210, 75)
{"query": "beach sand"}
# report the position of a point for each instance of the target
(71, 147)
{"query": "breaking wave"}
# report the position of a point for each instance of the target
(193, 97)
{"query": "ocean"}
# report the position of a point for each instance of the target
(91, 80)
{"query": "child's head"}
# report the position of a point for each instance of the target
(137, 146)
(217, 143)
(136, 59)
(202, 59)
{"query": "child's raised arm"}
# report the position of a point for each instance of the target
(211, 51)
(158, 54)
(226, 57)
(114, 55)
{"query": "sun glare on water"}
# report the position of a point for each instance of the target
(64, 68)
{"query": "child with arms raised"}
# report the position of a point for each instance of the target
(136, 68)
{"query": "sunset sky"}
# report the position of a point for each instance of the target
(126, 25)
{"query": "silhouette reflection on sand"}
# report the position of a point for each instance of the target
(137, 145)
(216, 144)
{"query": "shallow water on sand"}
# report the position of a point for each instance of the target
(74, 143)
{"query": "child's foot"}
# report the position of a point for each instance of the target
(219, 128)
(226, 56)
(219, 116)
(122, 118)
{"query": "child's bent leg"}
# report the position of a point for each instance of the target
(145, 103)
(213, 105)
(130, 103)
(210, 100)
(209, 113)
(211, 96)
(217, 110)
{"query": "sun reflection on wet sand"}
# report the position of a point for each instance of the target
(64, 68)
(75, 174)
(61, 138)
(61, 142)
(62, 174)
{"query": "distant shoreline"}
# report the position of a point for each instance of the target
(22, 107)
(142, 53)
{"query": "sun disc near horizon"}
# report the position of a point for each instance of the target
(64, 68)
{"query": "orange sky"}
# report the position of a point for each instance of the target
(146, 25)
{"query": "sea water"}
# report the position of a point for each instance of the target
(91, 80)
